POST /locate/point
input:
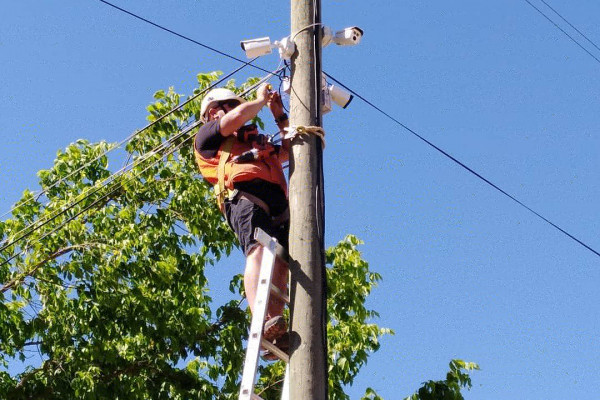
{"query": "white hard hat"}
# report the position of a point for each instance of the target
(215, 96)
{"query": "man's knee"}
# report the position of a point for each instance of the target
(254, 258)
(254, 251)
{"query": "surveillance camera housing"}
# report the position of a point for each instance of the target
(257, 47)
(326, 36)
(348, 37)
(325, 100)
(339, 96)
(325, 96)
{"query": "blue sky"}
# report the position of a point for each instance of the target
(467, 272)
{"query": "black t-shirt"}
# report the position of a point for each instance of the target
(207, 143)
(209, 139)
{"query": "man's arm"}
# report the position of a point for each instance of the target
(276, 107)
(236, 118)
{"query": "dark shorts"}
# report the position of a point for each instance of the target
(243, 216)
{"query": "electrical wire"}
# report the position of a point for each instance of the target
(404, 126)
(126, 140)
(97, 201)
(85, 195)
(122, 170)
(563, 31)
(277, 71)
(464, 166)
(182, 36)
(303, 29)
(317, 39)
(571, 25)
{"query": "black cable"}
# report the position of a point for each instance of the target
(61, 225)
(398, 122)
(139, 161)
(317, 31)
(184, 37)
(105, 182)
(117, 186)
(464, 166)
(563, 31)
(91, 192)
(571, 25)
(128, 139)
(245, 63)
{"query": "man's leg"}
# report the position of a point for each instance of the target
(275, 325)
(251, 273)
(279, 279)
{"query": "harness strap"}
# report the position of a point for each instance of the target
(220, 190)
(275, 220)
(255, 200)
(223, 192)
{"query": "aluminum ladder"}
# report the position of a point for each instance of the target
(272, 249)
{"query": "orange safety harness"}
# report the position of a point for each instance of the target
(242, 157)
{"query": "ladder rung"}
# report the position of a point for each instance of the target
(263, 238)
(278, 293)
(282, 355)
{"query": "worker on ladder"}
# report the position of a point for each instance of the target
(246, 171)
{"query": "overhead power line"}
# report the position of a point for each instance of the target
(183, 36)
(410, 130)
(563, 31)
(126, 140)
(106, 196)
(464, 166)
(571, 25)
(245, 64)
(36, 225)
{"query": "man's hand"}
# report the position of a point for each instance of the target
(276, 105)
(263, 94)
(237, 117)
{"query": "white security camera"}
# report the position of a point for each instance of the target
(262, 46)
(257, 47)
(348, 37)
(339, 96)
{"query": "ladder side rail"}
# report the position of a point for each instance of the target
(263, 238)
(258, 317)
(285, 391)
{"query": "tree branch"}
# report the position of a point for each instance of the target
(45, 366)
(12, 283)
(38, 342)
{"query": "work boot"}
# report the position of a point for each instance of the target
(274, 328)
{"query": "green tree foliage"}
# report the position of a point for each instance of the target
(450, 388)
(108, 285)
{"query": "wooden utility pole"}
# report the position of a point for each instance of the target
(308, 362)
